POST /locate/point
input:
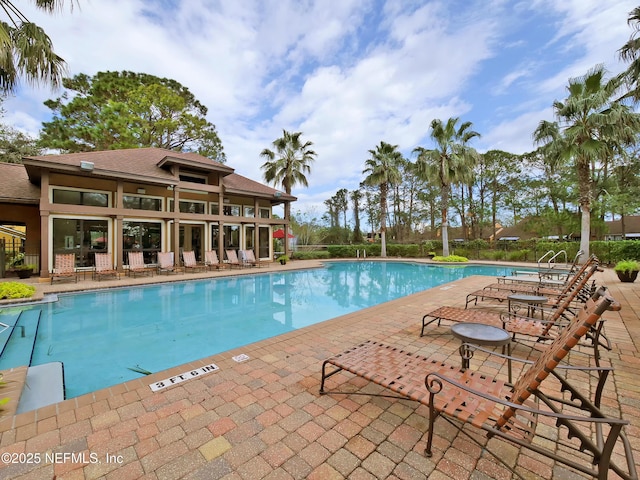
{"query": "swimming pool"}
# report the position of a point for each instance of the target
(103, 337)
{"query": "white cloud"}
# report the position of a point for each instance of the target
(347, 74)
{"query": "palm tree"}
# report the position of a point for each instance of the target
(382, 171)
(590, 128)
(450, 162)
(26, 50)
(288, 164)
(630, 52)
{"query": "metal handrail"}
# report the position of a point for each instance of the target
(552, 259)
(550, 252)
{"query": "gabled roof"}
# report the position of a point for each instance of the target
(15, 185)
(142, 164)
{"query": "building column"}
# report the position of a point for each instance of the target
(176, 226)
(45, 235)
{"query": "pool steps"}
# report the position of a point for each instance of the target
(19, 344)
(7, 322)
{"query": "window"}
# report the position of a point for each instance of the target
(142, 203)
(84, 237)
(142, 236)
(193, 178)
(189, 206)
(214, 208)
(231, 210)
(78, 197)
(265, 213)
(192, 207)
(249, 212)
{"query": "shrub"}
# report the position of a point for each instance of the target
(16, 290)
(517, 256)
(450, 258)
(311, 254)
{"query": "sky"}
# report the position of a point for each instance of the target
(348, 74)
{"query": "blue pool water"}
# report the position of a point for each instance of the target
(100, 336)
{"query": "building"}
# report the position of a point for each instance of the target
(146, 199)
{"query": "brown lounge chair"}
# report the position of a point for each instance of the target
(232, 258)
(211, 260)
(248, 258)
(137, 266)
(104, 268)
(509, 412)
(166, 264)
(190, 263)
(501, 291)
(65, 268)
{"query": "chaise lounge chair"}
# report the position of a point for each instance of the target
(104, 267)
(166, 264)
(501, 291)
(211, 260)
(509, 412)
(137, 266)
(190, 263)
(249, 259)
(65, 268)
(232, 257)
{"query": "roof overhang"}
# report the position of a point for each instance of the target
(194, 165)
(34, 167)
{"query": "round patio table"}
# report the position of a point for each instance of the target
(531, 301)
(481, 334)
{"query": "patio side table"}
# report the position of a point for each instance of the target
(481, 334)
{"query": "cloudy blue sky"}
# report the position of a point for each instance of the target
(346, 73)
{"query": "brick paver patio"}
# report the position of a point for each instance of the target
(264, 418)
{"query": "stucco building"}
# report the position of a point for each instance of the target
(148, 199)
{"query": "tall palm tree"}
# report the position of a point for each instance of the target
(288, 164)
(382, 172)
(590, 128)
(26, 50)
(451, 161)
(630, 52)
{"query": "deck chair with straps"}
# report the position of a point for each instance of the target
(65, 268)
(509, 412)
(104, 267)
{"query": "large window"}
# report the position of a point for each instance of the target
(142, 236)
(142, 203)
(231, 210)
(84, 237)
(187, 206)
(231, 236)
(79, 197)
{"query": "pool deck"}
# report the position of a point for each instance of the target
(264, 418)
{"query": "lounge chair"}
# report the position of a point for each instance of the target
(190, 263)
(65, 268)
(485, 401)
(211, 260)
(541, 286)
(166, 264)
(249, 259)
(104, 267)
(232, 258)
(497, 292)
(137, 266)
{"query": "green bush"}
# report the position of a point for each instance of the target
(517, 256)
(16, 290)
(450, 258)
(311, 255)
